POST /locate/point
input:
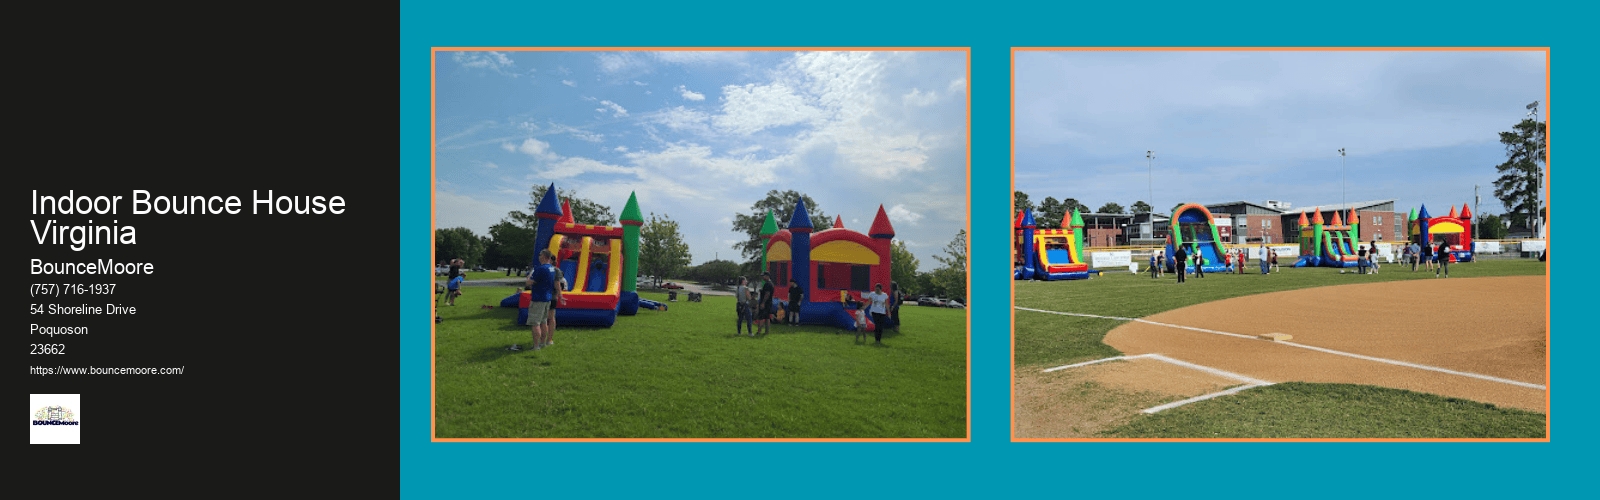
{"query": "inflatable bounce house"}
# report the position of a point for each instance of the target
(1329, 245)
(1048, 254)
(600, 263)
(1452, 229)
(829, 265)
(1194, 229)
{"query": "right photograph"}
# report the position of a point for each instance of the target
(1301, 244)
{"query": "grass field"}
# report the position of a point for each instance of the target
(683, 374)
(1303, 410)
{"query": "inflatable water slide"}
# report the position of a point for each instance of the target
(1194, 229)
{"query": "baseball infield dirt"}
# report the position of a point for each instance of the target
(1085, 400)
(1487, 326)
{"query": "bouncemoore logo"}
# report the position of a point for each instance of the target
(54, 415)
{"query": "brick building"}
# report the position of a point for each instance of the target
(1242, 222)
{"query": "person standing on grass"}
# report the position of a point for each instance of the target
(898, 296)
(796, 295)
(542, 290)
(1182, 260)
(550, 320)
(1443, 254)
(764, 305)
(1361, 260)
(1199, 260)
(880, 303)
(742, 295)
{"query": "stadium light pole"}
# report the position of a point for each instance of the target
(1342, 201)
(1537, 219)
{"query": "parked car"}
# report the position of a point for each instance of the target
(931, 302)
(478, 268)
(956, 304)
(441, 271)
(671, 286)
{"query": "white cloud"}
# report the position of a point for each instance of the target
(532, 147)
(488, 164)
(577, 132)
(620, 149)
(497, 62)
(698, 161)
(569, 83)
(699, 57)
(616, 110)
(744, 150)
(751, 108)
(919, 98)
(575, 166)
(681, 118)
(899, 213)
(958, 85)
(528, 126)
(614, 62)
(639, 83)
(690, 94)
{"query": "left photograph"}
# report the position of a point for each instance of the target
(700, 244)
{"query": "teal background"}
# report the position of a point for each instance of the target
(990, 463)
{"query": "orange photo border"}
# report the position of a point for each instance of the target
(1548, 238)
(433, 147)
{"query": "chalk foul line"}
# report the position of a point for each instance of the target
(1375, 359)
(1250, 383)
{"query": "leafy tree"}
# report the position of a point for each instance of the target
(1050, 213)
(1140, 207)
(951, 278)
(902, 264)
(662, 251)
(716, 271)
(1109, 208)
(781, 204)
(1491, 227)
(1019, 202)
(513, 242)
(1520, 175)
(458, 242)
(1069, 204)
(1175, 208)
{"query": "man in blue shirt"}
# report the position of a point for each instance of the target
(542, 290)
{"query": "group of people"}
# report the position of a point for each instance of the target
(1183, 256)
(756, 312)
(1429, 256)
(544, 284)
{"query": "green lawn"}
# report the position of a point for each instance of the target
(485, 275)
(683, 374)
(1298, 410)
(1302, 410)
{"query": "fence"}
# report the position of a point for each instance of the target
(1118, 257)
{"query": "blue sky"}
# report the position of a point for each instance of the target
(701, 136)
(1420, 127)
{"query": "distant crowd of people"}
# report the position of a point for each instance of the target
(758, 306)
